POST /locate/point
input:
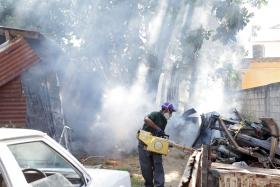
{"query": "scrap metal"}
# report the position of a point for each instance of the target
(235, 140)
(234, 152)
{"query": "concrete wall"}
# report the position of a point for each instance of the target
(262, 102)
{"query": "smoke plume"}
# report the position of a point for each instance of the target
(117, 54)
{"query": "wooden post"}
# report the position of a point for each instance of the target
(7, 35)
(204, 166)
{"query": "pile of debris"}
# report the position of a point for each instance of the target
(238, 141)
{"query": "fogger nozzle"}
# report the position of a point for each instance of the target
(185, 149)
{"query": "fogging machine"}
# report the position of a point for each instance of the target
(160, 145)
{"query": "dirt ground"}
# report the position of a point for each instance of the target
(174, 165)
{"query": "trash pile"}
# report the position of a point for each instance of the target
(237, 140)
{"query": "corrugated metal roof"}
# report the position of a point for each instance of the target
(22, 32)
(15, 57)
(12, 104)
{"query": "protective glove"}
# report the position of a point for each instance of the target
(159, 132)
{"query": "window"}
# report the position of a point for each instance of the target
(39, 156)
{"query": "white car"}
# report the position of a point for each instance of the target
(30, 158)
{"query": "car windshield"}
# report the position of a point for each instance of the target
(39, 162)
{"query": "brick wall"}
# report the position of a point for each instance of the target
(262, 102)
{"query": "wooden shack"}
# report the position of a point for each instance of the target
(29, 83)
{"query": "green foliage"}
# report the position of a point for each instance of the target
(108, 27)
(232, 18)
(248, 117)
(136, 182)
(197, 36)
(6, 12)
(192, 43)
(57, 22)
(230, 76)
(258, 3)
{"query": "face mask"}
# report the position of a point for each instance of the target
(167, 115)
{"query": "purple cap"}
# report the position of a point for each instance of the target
(168, 106)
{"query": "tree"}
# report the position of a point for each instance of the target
(228, 17)
(106, 40)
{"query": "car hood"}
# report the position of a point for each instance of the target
(109, 178)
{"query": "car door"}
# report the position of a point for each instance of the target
(11, 174)
(42, 164)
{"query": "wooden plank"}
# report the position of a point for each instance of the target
(230, 168)
(195, 177)
(204, 166)
(187, 176)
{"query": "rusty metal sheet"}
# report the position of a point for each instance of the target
(15, 57)
(12, 89)
(12, 105)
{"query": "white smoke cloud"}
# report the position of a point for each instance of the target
(210, 90)
(122, 114)
(156, 23)
(105, 95)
